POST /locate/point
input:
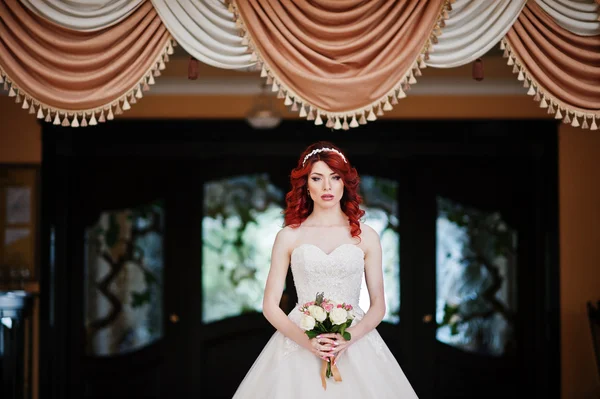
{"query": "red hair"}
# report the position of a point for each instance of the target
(299, 204)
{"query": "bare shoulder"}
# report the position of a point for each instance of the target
(369, 238)
(285, 238)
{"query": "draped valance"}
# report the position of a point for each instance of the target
(337, 63)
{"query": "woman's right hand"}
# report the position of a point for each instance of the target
(322, 347)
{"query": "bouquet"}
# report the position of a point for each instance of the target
(326, 316)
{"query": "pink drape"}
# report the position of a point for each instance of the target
(74, 73)
(340, 58)
(561, 68)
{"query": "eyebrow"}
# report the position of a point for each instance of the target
(320, 174)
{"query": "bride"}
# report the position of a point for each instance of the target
(328, 250)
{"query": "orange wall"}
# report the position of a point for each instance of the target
(579, 196)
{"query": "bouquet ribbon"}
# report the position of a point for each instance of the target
(335, 372)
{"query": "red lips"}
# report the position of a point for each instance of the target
(327, 197)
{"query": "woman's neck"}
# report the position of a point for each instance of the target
(327, 217)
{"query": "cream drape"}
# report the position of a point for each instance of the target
(473, 27)
(577, 16)
(206, 30)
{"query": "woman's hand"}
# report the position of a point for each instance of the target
(323, 345)
(338, 343)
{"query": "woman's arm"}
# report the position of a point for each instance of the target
(374, 280)
(280, 259)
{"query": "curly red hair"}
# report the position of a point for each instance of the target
(299, 204)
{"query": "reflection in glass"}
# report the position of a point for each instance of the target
(242, 216)
(381, 213)
(476, 266)
(124, 280)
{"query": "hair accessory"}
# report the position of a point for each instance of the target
(324, 149)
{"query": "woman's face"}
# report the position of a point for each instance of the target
(325, 186)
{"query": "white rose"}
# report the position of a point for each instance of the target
(307, 322)
(317, 312)
(338, 316)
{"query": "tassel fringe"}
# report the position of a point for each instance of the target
(88, 117)
(352, 118)
(585, 119)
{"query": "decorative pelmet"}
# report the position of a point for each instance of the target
(350, 118)
(93, 116)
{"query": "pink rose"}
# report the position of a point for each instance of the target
(328, 307)
(307, 313)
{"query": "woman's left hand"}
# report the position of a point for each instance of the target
(340, 345)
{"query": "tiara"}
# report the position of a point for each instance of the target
(324, 149)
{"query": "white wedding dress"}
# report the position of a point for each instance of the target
(284, 370)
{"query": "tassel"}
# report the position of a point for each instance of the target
(302, 111)
(387, 106)
(118, 110)
(422, 63)
(594, 126)
(75, 122)
(110, 115)
(575, 121)
(418, 71)
(151, 80)
(371, 116)
(338, 124)
(511, 61)
(558, 114)
(477, 69)
(502, 46)
(18, 99)
(411, 78)
(526, 84)
(138, 93)
(294, 106)
(362, 120)
(93, 121)
(126, 105)
(288, 101)
(269, 80)
(193, 69)
(543, 103)
(329, 123)
(66, 122)
(1, 78)
(345, 124)
(379, 111)
(394, 98)
(531, 91)
(48, 117)
(521, 77)
(170, 50)
(145, 87)
(161, 65)
(353, 122)
(281, 94)
(32, 109)
(253, 57)
(83, 121)
(12, 93)
(101, 118)
(567, 119)
(156, 72)
(40, 113)
(311, 115)
(584, 125)
(318, 120)
(263, 72)
(5, 85)
(401, 93)
(275, 87)
(537, 96)
(25, 104)
(132, 99)
(56, 119)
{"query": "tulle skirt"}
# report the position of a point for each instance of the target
(285, 370)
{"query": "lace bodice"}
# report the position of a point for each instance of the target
(337, 274)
